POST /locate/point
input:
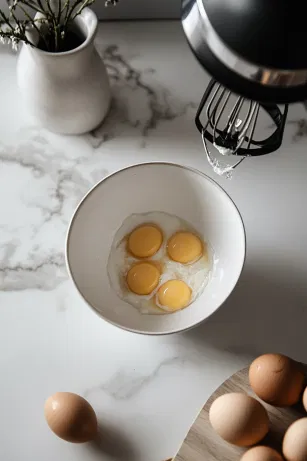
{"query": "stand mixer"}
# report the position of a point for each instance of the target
(255, 52)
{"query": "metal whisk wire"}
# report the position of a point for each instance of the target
(230, 126)
(236, 129)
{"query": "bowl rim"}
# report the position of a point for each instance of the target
(121, 170)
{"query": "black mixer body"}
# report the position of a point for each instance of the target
(255, 49)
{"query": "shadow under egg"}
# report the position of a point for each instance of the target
(112, 442)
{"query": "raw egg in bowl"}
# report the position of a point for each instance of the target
(156, 248)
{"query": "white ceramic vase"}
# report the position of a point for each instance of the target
(67, 92)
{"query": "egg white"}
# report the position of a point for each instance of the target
(195, 275)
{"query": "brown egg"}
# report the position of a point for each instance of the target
(239, 419)
(305, 398)
(276, 379)
(294, 445)
(71, 417)
(261, 453)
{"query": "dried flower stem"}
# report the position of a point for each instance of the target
(32, 7)
(56, 17)
(38, 30)
(84, 4)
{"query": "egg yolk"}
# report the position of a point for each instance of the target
(184, 247)
(145, 241)
(174, 294)
(143, 278)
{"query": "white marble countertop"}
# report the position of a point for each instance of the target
(145, 390)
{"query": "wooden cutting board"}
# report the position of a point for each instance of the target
(204, 444)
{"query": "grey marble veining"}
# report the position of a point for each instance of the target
(123, 385)
(53, 181)
(136, 103)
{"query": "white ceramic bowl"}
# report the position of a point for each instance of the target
(174, 189)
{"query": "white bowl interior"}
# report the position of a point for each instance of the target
(173, 189)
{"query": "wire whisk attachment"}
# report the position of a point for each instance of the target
(230, 126)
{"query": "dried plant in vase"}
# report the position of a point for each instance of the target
(62, 78)
(52, 20)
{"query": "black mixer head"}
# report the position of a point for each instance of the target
(253, 47)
